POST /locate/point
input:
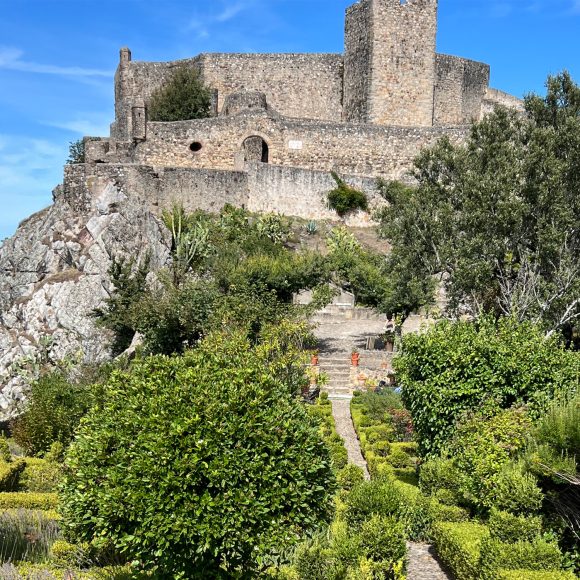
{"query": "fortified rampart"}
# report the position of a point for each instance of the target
(366, 113)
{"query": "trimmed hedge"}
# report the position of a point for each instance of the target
(459, 547)
(536, 555)
(510, 528)
(534, 575)
(40, 476)
(10, 474)
(31, 501)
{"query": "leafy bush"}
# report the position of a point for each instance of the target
(10, 474)
(457, 367)
(536, 555)
(55, 407)
(516, 491)
(206, 463)
(31, 501)
(345, 198)
(183, 97)
(438, 475)
(459, 547)
(398, 458)
(382, 539)
(482, 448)
(350, 476)
(40, 475)
(509, 528)
(534, 575)
(371, 498)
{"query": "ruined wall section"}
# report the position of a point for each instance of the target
(204, 189)
(295, 85)
(460, 88)
(355, 149)
(493, 98)
(403, 62)
(357, 62)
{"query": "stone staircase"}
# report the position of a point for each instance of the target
(340, 329)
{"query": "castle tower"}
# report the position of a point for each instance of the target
(389, 74)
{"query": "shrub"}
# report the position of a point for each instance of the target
(382, 539)
(383, 448)
(440, 512)
(313, 561)
(482, 448)
(65, 554)
(437, 475)
(183, 97)
(76, 152)
(206, 463)
(378, 433)
(371, 498)
(534, 575)
(349, 476)
(5, 454)
(537, 555)
(40, 476)
(459, 547)
(345, 198)
(31, 501)
(516, 492)
(56, 405)
(457, 367)
(338, 455)
(509, 528)
(10, 474)
(399, 459)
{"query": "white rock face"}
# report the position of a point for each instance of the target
(54, 273)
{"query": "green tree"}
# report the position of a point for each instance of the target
(200, 466)
(76, 152)
(459, 367)
(183, 97)
(498, 218)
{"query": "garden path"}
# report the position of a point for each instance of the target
(423, 565)
(345, 428)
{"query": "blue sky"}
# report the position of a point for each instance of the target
(57, 59)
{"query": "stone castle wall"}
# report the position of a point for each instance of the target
(402, 75)
(259, 188)
(460, 88)
(364, 150)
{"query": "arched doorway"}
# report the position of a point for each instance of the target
(256, 149)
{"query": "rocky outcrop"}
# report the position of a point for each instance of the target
(54, 273)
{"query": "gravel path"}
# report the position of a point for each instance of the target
(423, 564)
(345, 428)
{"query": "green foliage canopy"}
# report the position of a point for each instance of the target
(457, 367)
(200, 466)
(183, 97)
(498, 217)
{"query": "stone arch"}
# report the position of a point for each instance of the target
(256, 148)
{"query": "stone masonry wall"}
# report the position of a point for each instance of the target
(403, 62)
(494, 97)
(296, 85)
(355, 149)
(204, 189)
(301, 192)
(459, 90)
(260, 188)
(358, 45)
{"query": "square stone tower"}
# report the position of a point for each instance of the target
(389, 76)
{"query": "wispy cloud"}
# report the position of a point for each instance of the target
(232, 10)
(87, 124)
(11, 59)
(29, 168)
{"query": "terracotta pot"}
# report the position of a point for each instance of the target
(354, 359)
(389, 346)
(314, 360)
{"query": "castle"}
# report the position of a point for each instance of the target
(281, 122)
